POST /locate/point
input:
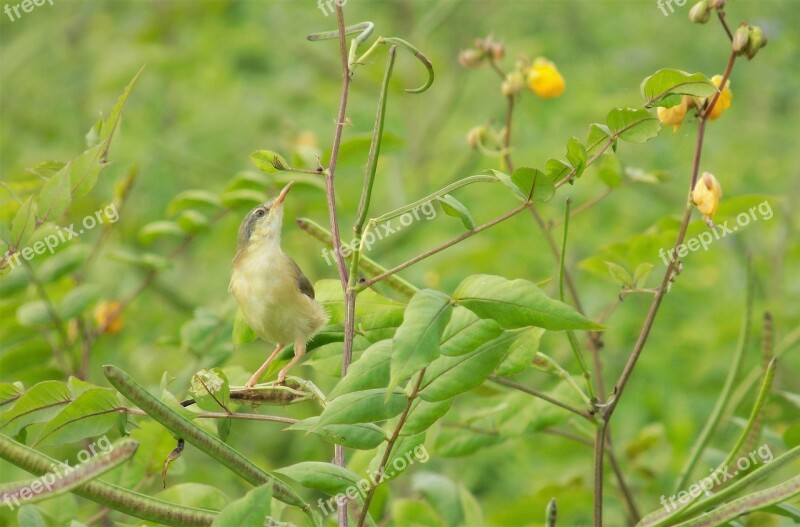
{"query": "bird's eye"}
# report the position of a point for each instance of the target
(260, 213)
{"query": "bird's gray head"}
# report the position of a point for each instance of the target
(263, 223)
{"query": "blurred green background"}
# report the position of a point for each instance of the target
(225, 78)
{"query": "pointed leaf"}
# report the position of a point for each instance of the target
(325, 477)
(249, 511)
(534, 183)
(55, 196)
(371, 370)
(452, 207)
(657, 87)
(91, 414)
(366, 406)
(634, 126)
(39, 404)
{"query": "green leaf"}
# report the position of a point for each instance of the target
(148, 261)
(159, 229)
(415, 513)
(442, 493)
(556, 169)
(416, 342)
(34, 313)
(610, 171)
(79, 300)
(84, 169)
(91, 414)
(39, 404)
(454, 442)
(517, 303)
(522, 351)
(193, 199)
(366, 406)
(641, 273)
(447, 377)
(325, 477)
(576, 155)
(23, 224)
(211, 390)
(534, 183)
(269, 161)
(371, 370)
(195, 495)
(599, 134)
(192, 221)
(362, 436)
(29, 516)
(423, 415)
(452, 207)
(63, 263)
(111, 124)
(466, 331)
(55, 196)
(249, 511)
(620, 275)
(634, 126)
(657, 87)
(505, 179)
(93, 135)
(240, 199)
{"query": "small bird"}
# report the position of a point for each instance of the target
(275, 297)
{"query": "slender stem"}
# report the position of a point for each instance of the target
(599, 452)
(541, 395)
(389, 446)
(507, 138)
(721, 16)
(54, 318)
(223, 415)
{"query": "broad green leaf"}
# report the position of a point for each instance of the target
(84, 169)
(576, 155)
(641, 273)
(414, 513)
(148, 261)
(452, 207)
(192, 221)
(30, 516)
(249, 511)
(63, 263)
(91, 414)
(517, 303)
(371, 370)
(557, 169)
(268, 161)
(211, 390)
(9, 393)
(634, 126)
(55, 196)
(657, 87)
(442, 493)
(528, 179)
(447, 377)
(93, 135)
(423, 415)
(159, 229)
(505, 179)
(456, 442)
(610, 171)
(522, 351)
(79, 300)
(13, 283)
(23, 224)
(33, 313)
(380, 325)
(361, 436)
(366, 406)
(416, 342)
(39, 404)
(599, 134)
(240, 199)
(466, 331)
(195, 495)
(325, 477)
(619, 274)
(193, 199)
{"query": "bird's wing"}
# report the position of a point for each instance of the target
(302, 282)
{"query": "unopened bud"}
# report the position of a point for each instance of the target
(513, 84)
(471, 58)
(700, 12)
(741, 39)
(706, 195)
(476, 135)
(498, 51)
(757, 41)
(717, 4)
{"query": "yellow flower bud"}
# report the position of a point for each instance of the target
(476, 135)
(674, 115)
(700, 12)
(106, 316)
(513, 84)
(544, 79)
(706, 195)
(471, 58)
(724, 100)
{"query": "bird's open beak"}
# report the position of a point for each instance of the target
(282, 195)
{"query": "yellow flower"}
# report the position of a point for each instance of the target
(724, 101)
(106, 316)
(706, 195)
(674, 115)
(544, 79)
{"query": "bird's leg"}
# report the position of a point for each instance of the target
(254, 379)
(299, 351)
